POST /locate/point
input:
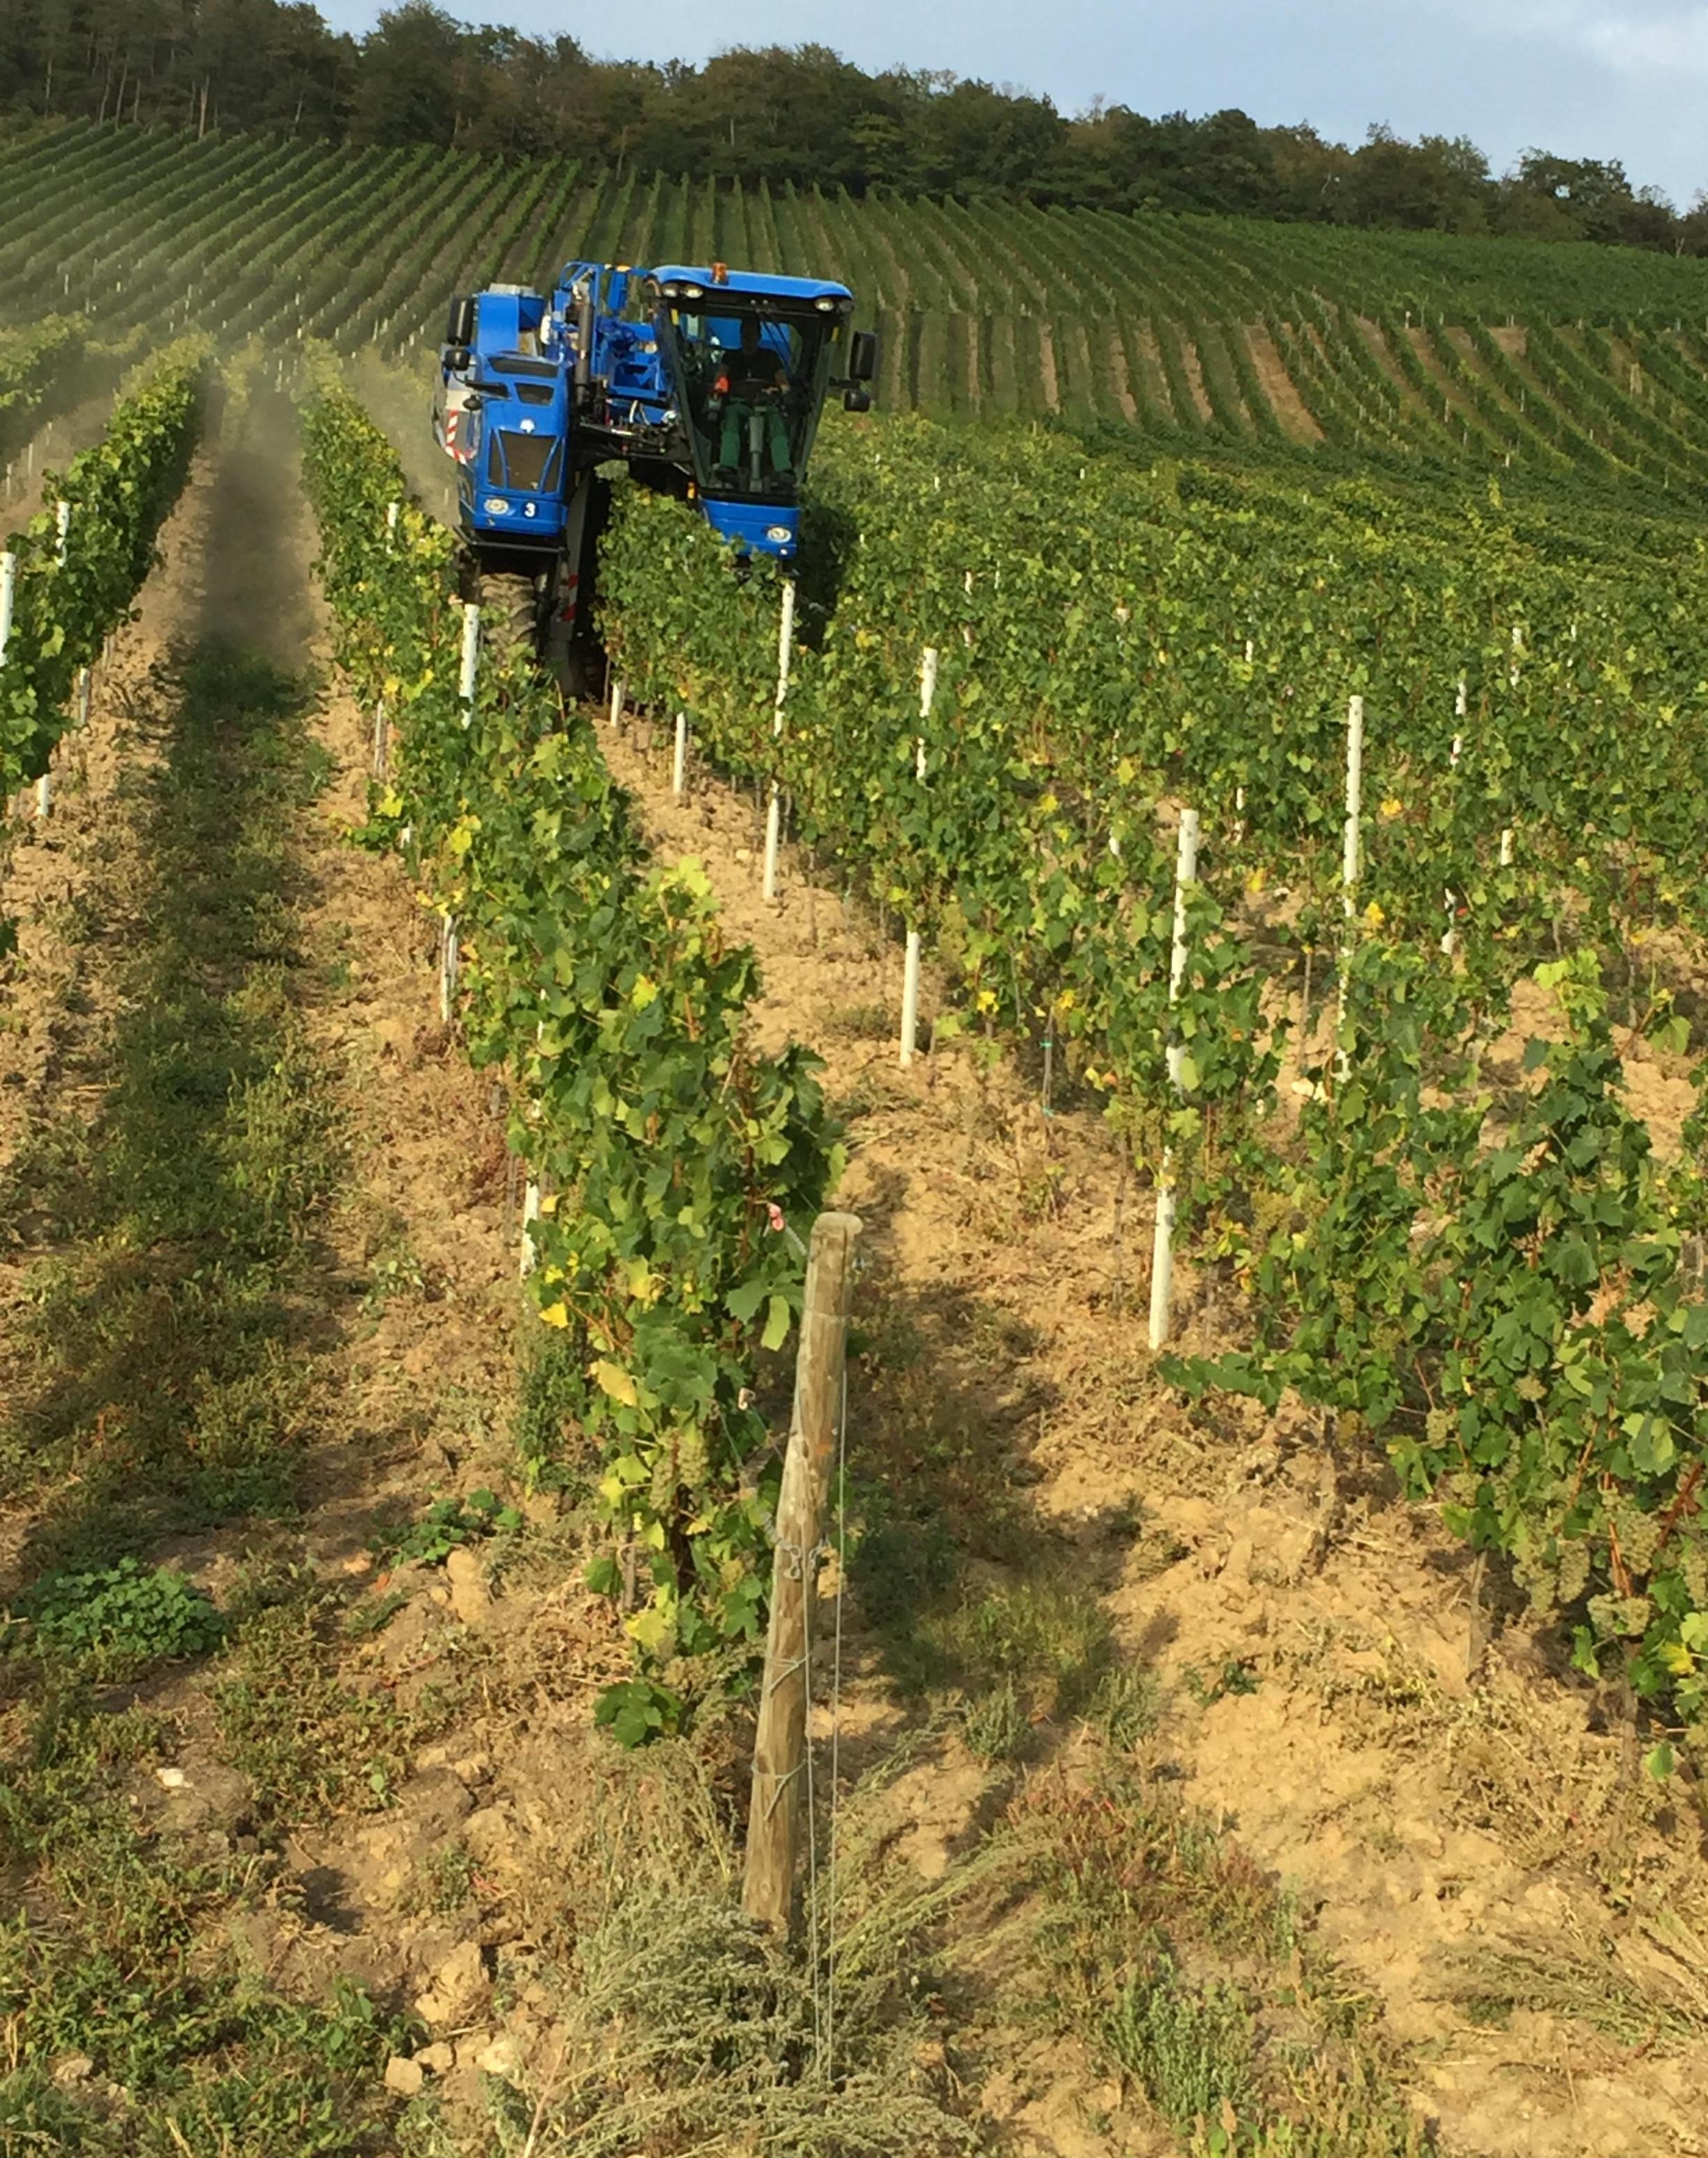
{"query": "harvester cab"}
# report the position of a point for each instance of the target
(749, 361)
(704, 382)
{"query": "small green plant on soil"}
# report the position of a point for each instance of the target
(444, 1882)
(396, 1273)
(635, 1712)
(447, 1523)
(115, 1620)
(375, 1617)
(1237, 1675)
(994, 1724)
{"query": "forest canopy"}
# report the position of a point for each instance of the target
(800, 114)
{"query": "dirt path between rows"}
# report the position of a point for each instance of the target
(257, 1288)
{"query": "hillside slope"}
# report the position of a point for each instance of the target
(1564, 361)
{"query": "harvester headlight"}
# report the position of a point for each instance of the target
(496, 506)
(778, 535)
(825, 307)
(692, 292)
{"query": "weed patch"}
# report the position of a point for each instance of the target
(157, 1381)
(114, 1622)
(156, 1386)
(310, 1744)
(1160, 1943)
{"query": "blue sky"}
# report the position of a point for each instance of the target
(1626, 81)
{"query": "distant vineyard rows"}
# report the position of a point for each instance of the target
(1559, 359)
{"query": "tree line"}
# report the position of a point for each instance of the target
(797, 115)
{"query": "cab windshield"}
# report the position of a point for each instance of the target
(749, 384)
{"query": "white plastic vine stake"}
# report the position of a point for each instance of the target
(1506, 848)
(62, 532)
(1239, 814)
(379, 738)
(1517, 646)
(678, 763)
(391, 511)
(1349, 854)
(530, 1214)
(616, 697)
(1460, 706)
(1354, 799)
(910, 998)
(1162, 1271)
(1451, 939)
(927, 697)
(8, 599)
(471, 660)
(1251, 651)
(86, 686)
(448, 948)
(774, 807)
(909, 965)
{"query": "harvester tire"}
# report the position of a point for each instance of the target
(509, 614)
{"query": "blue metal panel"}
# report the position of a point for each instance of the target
(759, 528)
(752, 282)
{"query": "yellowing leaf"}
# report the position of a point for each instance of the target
(1373, 914)
(555, 1314)
(548, 1203)
(613, 1380)
(652, 1629)
(1393, 808)
(643, 993)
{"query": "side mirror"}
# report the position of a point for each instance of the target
(456, 358)
(863, 356)
(857, 400)
(459, 328)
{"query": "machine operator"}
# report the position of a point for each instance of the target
(751, 384)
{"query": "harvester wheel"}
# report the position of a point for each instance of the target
(509, 614)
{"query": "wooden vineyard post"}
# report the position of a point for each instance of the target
(778, 1812)
(1162, 1271)
(774, 807)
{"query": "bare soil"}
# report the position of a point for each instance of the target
(1118, 379)
(1048, 388)
(1192, 366)
(1278, 385)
